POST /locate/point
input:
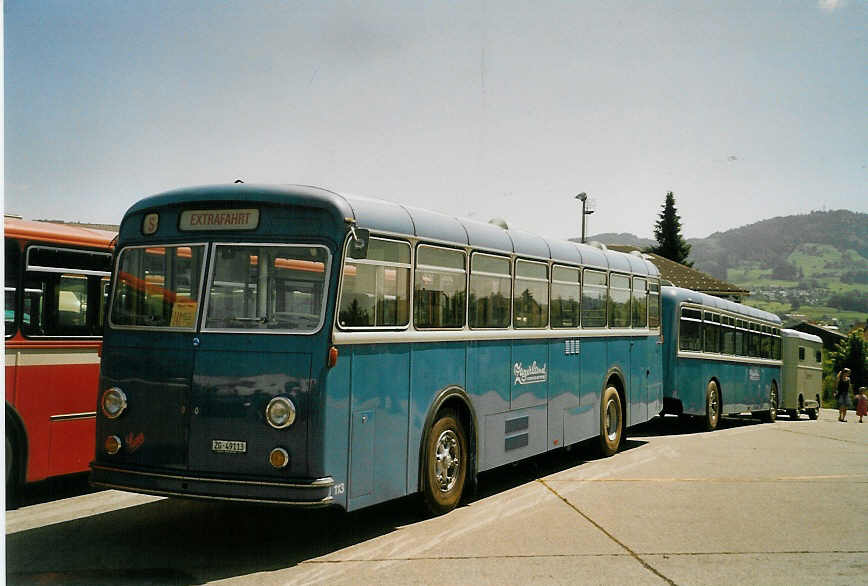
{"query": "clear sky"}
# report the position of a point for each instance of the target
(746, 110)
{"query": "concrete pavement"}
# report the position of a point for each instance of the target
(782, 503)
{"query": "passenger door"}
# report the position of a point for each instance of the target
(150, 350)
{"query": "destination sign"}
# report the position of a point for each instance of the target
(246, 219)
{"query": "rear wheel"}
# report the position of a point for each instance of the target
(445, 463)
(772, 414)
(611, 422)
(813, 413)
(712, 406)
(793, 413)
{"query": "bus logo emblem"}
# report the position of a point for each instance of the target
(529, 375)
(134, 443)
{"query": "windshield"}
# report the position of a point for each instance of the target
(158, 287)
(267, 287)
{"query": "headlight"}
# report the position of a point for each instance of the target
(113, 403)
(280, 412)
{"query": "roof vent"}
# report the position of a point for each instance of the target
(499, 222)
(637, 254)
(599, 245)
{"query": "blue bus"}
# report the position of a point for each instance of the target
(720, 357)
(294, 345)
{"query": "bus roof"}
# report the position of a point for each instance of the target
(385, 216)
(59, 233)
(802, 336)
(689, 296)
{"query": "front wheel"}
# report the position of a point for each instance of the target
(712, 406)
(446, 458)
(11, 469)
(611, 422)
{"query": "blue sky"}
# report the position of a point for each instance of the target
(746, 110)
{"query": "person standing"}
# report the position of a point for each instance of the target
(843, 394)
(862, 403)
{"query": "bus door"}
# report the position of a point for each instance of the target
(150, 349)
(262, 306)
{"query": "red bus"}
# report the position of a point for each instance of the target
(57, 280)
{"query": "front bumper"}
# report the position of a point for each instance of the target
(302, 493)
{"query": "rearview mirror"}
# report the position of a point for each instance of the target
(358, 242)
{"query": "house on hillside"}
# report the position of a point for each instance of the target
(683, 276)
(830, 337)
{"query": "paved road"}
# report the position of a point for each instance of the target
(783, 503)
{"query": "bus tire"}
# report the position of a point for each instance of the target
(12, 483)
(611, 422)
(446, 458)
(813, 413)
(772, 414)
(793, 413)
(712, 406)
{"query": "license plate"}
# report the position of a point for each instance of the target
(228, 447)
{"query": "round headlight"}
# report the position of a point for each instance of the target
(113, 403)
(280, 412)
(112, 445)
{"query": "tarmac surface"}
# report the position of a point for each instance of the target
(750, 503)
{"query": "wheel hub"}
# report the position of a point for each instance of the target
(612, 420)
(447, 458)
(713, 403)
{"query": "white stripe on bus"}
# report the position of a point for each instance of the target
(410, 336)
(51, 357)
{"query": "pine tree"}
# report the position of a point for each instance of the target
(667, 231)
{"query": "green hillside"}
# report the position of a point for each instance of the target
(810, 266)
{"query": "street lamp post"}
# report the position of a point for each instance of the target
(583, 197)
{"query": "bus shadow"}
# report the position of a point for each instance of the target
(510, 476)
(671, 425)
(174, 541)
(52, 489)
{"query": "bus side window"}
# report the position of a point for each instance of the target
(619, 301)
(711, 331)
(13, 255)
(653, 303)
(753, 341)
(490, 283)
(690, 330)
(376, 290)
(728, 336)
(566, 293)
(818, 356)
(531, 302)
(595, 299)
(58, 287)
(640, 302)
(440, 287)
(801, 353)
